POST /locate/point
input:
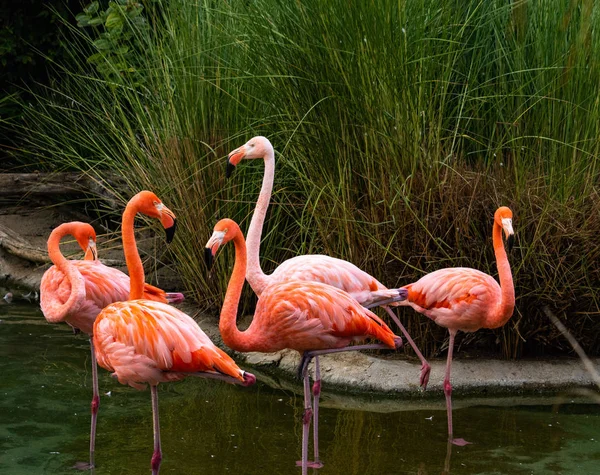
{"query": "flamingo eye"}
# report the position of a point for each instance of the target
(159, 206)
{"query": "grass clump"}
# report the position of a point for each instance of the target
(400, 127)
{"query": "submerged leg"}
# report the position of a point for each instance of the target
(448, 392)
(446, 470)
(316, 390)
(94, 407)
(157, 455)
(306, 417)
(425, 366)
(303, 373)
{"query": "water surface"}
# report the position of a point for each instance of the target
(214, 428)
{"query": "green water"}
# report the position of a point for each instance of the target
(215, 428)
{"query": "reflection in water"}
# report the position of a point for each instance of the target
(222, 429)
(449, 446)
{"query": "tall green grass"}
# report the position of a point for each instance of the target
(400, 126)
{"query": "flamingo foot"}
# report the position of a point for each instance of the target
(460, 442)
(424, 380)
(83, 466)
(310, 464)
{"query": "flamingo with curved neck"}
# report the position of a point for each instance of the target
(147, 342)
(75, 291)
(342, 274)
(312, 318)
(460, 298)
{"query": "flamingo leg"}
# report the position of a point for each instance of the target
(306, 417)
(94, 408)
(316, 390)
(425, 366)
(157, 455)
(308, 355)
(95, 405)
(446, 470)
(308, 411)
(448, 393)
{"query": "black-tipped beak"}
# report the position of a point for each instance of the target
(510, 242)
(230, 168)
(171, 231)
(208, 257)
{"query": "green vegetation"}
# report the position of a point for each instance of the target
(400, 127)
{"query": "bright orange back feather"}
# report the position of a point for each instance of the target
(140, 340)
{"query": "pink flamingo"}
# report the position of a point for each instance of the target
(76, 291)
(144, 341)
(367, 290)
(310, 317)
(460, 298)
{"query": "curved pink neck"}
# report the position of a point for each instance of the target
(232, 337)
(77, 294)
(257, 279)
(507, 305)
(132, 257)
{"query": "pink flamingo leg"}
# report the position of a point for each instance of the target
(373, 346)
(157, 455)
(95, 405)
(446, 470)
(308, 411)
(425, 366)
(306, 417)
(316, 390)
(448, 393)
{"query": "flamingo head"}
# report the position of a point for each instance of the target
(224, 231)
(503, 218)
(85, 235)
(256, 147)
(151, 205)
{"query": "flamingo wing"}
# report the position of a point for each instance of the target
(144, 341)
(457, 297)
(103, 285)
(329, 270)
(311, 315)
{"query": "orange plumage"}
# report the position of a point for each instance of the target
(143, 341)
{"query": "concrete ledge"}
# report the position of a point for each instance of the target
(395, 377)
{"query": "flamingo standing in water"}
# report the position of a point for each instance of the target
(459, 298)
(367, 290)
(310, 317)
(143, 341)
(76, 291)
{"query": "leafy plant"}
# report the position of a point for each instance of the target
(118, 30)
